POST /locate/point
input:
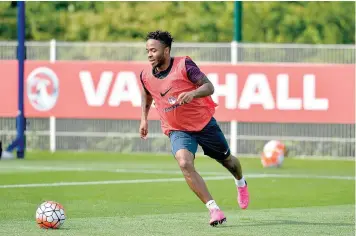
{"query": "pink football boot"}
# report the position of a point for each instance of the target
(243, 197)
(216, 217)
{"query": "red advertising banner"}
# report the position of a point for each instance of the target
(285, 93)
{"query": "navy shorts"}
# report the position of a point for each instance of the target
(210, 138)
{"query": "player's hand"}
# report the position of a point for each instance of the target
(185, 97)
(143, 129)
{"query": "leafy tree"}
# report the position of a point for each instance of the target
(281, 22)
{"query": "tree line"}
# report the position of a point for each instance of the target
(263, 22)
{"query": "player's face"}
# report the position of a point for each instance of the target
(156, 52)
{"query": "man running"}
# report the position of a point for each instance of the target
(182, 96)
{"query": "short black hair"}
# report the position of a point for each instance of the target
(163, 36)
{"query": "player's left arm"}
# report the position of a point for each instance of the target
(196, 76)
(205, 88)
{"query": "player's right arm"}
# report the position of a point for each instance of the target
(146, 105)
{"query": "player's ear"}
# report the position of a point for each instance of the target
(166, 50)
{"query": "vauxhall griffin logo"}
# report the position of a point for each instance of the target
(42, 88)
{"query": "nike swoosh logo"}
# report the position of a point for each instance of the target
(164, 94)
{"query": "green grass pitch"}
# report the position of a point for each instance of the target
(128, 194)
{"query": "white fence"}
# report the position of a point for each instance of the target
(336, 140)
(201, 52)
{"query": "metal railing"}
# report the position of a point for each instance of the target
(200, 52)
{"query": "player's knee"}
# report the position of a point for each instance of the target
(185, 159)
(228, 160)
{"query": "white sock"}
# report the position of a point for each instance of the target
(212, 205)
(240, 182)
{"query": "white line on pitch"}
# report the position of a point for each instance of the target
(178, 172)
(85, 169)
(130, 181)
(136, 181)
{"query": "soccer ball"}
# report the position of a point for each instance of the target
(273, 154)
(50, 215)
